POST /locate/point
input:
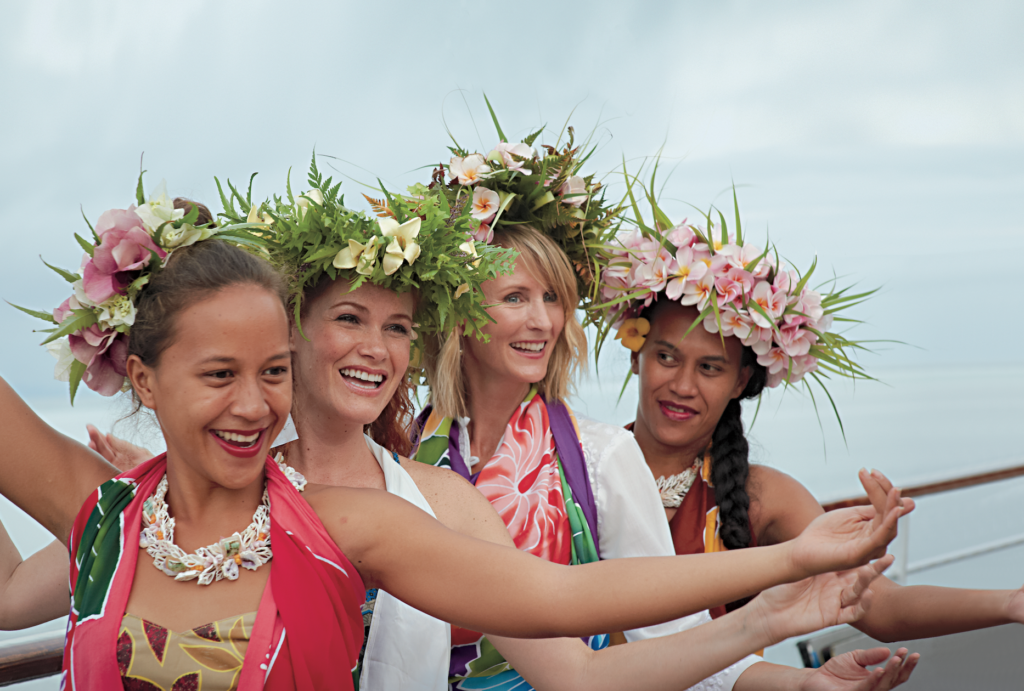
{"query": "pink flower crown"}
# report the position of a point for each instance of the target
(90, 329)
(739, 289)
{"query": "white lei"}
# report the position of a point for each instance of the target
(250, 549)
(673, 488)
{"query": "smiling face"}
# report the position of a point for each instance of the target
(685, 384)
(529, 319)
(357, 352)
(222, 389)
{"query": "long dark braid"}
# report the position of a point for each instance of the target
(730, 466)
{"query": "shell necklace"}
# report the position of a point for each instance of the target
(250, 549)
(673, 488)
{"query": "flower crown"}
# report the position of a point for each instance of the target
(411, 244)
(514, 184)
(90, 333)
(739, 289)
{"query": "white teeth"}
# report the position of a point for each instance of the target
(365, 376)
(533, 347)
(240, 438)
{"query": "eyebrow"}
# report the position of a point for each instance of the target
(227, 360)
(713, 358)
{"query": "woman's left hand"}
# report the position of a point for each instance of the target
(849, 671)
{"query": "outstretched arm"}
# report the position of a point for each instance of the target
(47, 474)
(506, 592)
(35, 590)
(683, 659)
(900, 612)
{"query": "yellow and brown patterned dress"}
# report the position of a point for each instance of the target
(207, 658)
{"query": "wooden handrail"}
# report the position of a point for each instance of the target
(936, 487)
(32, 657)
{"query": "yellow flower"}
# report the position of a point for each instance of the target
(358, 256)
(403, 242)
(633, 333)
(461, 290)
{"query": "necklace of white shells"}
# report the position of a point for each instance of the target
(673, 488)
(250, 549)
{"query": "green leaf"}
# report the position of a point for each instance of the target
(45, 316)
(501, 135)
(79, 319)
(95, 237)
(66, 275)
(89, 249)
(140, 194)
(736, 206)
(75, 377)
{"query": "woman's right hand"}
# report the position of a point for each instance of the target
(848, 538)
(121, 454)
(816, 603)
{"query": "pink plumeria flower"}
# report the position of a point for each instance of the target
(727, 290)
(698, 292)
(772, 302)
(743, 256)
(758, 339)
(744, 278)
(737, 323)
(687, 269)
(485, 204)
(654, 275)
(796, 341)
(507, 152)
(469, 170)
(682, 235)
(715, 235)
(775, 360)
(484, 234)
(574, 191)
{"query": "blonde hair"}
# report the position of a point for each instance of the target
(546, 261)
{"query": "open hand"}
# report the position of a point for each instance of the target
(847, 538)
(818, 602)
(121, 454)
(849, 671)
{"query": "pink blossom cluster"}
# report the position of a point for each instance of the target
(757, 301)
(125, 248)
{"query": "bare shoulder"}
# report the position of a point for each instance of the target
(781, 507)
(457, 504)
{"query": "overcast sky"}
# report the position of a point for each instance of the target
(885, 137)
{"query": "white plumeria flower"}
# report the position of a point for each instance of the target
(485, 203)
(173, 238)
(504, 152)
(469, 248)
(403, 244)
(358, 256)
(61, 350)
(302, 201)
(469, 170)
(158, 209)
(117, 311)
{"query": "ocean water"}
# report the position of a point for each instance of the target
(917, 424)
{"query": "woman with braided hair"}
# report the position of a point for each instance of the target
(713, 321)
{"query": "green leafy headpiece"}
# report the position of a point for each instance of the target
(413, 243)
(517, 184)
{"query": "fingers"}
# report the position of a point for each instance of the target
(877, 494)
(908, 667)
(874, 656)
(95, 438)
(881, 480)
